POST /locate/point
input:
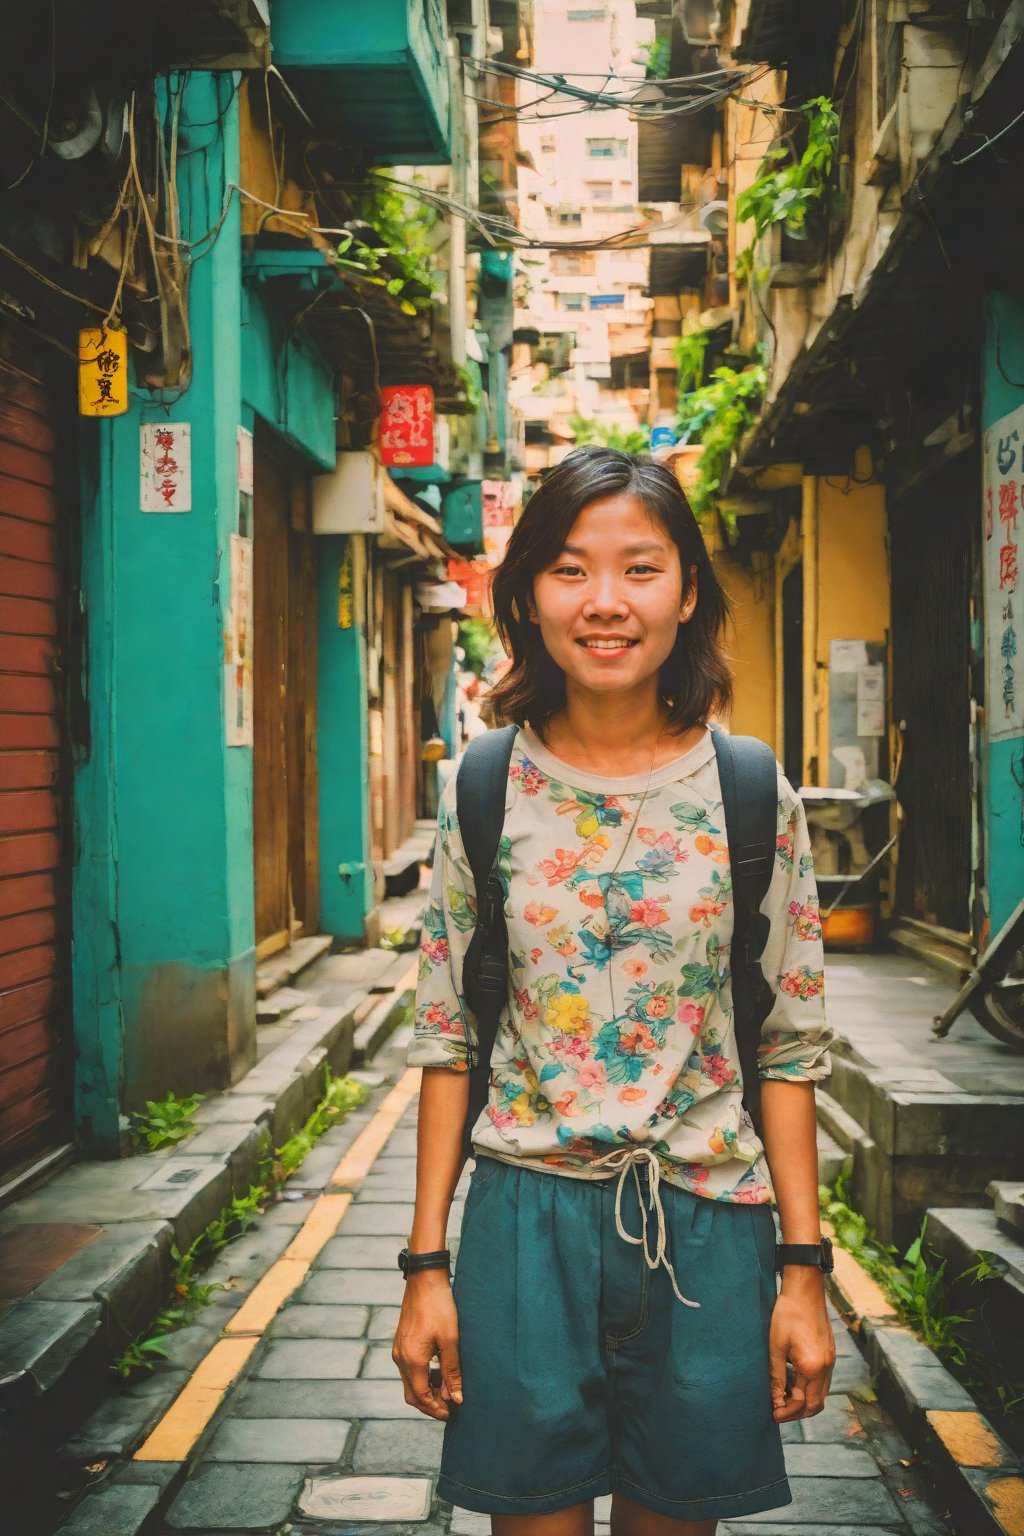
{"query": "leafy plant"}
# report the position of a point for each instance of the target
(165, 1121)
(480, 643)
(609, 435)
(716, 416)
(691, 350)
(189, 1294)
(916, 1283)
(403, 227)
(789, 193)
(656, 58)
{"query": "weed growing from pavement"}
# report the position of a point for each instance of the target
(165, 1122)
(188, 1293)
(916, 1284)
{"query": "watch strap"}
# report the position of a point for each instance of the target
(811, 1255)
(409, 1263)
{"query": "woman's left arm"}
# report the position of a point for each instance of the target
(792, 1057)
(801, 1334)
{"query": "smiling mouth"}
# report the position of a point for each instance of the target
(616, 644)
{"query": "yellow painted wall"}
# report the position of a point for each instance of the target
(750, 641)
(850, 568)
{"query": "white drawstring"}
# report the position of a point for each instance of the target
(625, 1158)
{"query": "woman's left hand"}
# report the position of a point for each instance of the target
(802, 1349)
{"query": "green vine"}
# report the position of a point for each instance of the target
(609, 435)
(403, 262)
(788, 194)
(691, 351)
(656, 58)
(716, 416)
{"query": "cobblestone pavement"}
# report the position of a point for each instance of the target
(314, 1435)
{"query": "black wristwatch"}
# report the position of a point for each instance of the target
(815, 1255)
(409, 1263)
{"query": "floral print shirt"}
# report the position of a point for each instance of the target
(618, 1028)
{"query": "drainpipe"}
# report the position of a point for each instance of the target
(809, 532)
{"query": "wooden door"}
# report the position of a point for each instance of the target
(35, 1035)
(284, 702)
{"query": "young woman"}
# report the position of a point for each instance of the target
(614, 1324)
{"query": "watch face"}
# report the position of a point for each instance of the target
(403, 1261)
(827, 1261)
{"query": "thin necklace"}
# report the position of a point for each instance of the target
(615, 867)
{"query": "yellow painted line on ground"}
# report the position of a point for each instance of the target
(858, 1294)
(1006, 1496)
(366, 1148)
(197, 1402)
(967, 1437)
(267, 1298)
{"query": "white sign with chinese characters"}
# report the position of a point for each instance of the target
(165, 466)
(1003, 514)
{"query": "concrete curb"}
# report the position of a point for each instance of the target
(978, 1473)
(56, 1342)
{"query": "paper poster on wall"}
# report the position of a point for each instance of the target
(856, 713)
(1002, 513)
(165, 466)
(871, 700)
(238, 647)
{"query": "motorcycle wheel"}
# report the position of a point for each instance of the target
(999, 1008)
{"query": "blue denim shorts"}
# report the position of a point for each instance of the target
(583, 1373)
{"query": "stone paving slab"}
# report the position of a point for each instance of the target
(378, 1364)
(829, 1460)
(384, 1220)
(236, 1496)
(310, 1441)
(833, 1501)
(360, 1399)
(383, 1323)
(311, 1360)
(393, 1447)
(300, 1321)
(350, 1253)
(367, 1498)
(364, 1287)
(120, 1508)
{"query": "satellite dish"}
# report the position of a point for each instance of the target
(714, 217)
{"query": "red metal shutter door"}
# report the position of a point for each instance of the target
(35, 1051)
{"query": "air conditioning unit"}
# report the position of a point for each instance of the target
(350, 498)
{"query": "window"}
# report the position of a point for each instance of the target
(573, 263)
(574, 301)
(568, 218)
(607, 149)
(548, 144)
(600, 191)
(592, 13)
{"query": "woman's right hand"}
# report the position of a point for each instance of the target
(428, 1325)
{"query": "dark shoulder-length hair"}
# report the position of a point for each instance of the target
(696, 679)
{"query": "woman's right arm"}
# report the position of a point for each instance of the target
(428, 1325)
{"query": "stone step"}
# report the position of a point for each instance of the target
(402, 869)
(917, 1140)
(110, 1226)
(278, 970)
(1008, 1205)
(962, 1236)
(832, 1159)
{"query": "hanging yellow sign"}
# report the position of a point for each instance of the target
(102, 371)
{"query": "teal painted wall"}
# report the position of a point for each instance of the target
(346, 870)
(286, 381)
(164, 960)
(1004, 760)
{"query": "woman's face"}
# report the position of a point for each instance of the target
(609, 607)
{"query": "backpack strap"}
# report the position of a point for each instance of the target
(480, 790)
(748, 774)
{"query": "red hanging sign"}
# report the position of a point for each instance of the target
(407, 425)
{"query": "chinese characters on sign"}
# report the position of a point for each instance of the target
(102, 372)
(165, 466)
(1003, 514)
(407, 425)
(238, 647)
